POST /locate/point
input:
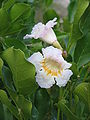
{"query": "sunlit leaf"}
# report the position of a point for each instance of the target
(23, 71)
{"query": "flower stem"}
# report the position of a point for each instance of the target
(58, 114)
(60, 97)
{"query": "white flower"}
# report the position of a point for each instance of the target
(45, 33)
(51, 67)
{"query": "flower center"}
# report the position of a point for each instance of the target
(51, 67)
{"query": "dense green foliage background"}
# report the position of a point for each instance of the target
(20, 96)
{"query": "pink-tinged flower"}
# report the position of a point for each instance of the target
(50, 67)
(45, 33)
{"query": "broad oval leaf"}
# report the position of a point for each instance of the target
(22, 70)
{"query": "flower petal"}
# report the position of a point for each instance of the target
(51, 52)
(63, 78)
(51, 23)
(49, 36)
(44, 80)
(35, 59)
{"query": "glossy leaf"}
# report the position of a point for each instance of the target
(22, 70)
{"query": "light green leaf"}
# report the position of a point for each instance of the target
(22, 70)
(18, 10)
(83, 92)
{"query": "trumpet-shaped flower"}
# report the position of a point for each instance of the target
(50, 67)
(45, 33)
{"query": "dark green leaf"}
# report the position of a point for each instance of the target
(18, 44)
(76, 33)
(49, 15)
(82, 51)
(42, 103)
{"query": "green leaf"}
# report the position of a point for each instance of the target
(7, 114)
(42, 103)
(1, 64)
(67, 111)
(18, 10)
(83, 92)
(84, 21)
(3, 20)
(1, 111)
(48, 2)
(67, 25)
(4, 99)
(82, 51)
(24, 105)
(22, 70)
(8, 4)
(76, 33)
(49, 15)
(18, 44)
(72, 10)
